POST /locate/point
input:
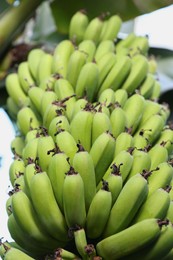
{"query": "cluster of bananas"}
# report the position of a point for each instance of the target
(92, 171)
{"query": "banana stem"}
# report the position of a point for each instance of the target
(13, 19)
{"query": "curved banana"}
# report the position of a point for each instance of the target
(121, 96)
(30, 150)
(97, 217)
(80, 241)
(112, 28)
(17, 144)
(146, 88)
(48, 212)
(158, 154)
(87, 82)
(130, 199)
(15, 253)
(33, 60)
(123, 142)
(102, 152)
(88, 47)
(12, 108)
(137, 74)
(156, 90)
(74, 206)
(118, 119)
(104, 47)
(107, 98)
(57, 169)
(77, 27)
(46, 99)
(25, 78)
(61, 55)
(44, 69)
(57, 123)
(16, 168)
(166, 137)
(35, 95)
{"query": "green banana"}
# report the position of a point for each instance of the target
(140, 141)
(66, 143)
(123, 142)
(169, 214)
(26, 218)
(104, 47)
(44, 69)
(130, 240)
(166, 137)
(121, 96)
(156, 180)
(74, 206)
(139, 45)
(35, 95)
(27, 119)
(33, 60)
(48, 82)
(77, 27)
(97, 217)
(102, 152)
(17, 145)
(30, 149)
(146, 87)
(16, 168)
(61, 55)
(12, 108)
(62, 253)
(76, 61)
(58, 123)
(14, 253)
(87, 82)
(134, 107)
(130, 199)
(30, 171)
(46, 99)
(57, 169)
(107, 98)
(101, 123)
(16, 93)
(155, 206)
(80, 241)
(25, 78)
(88, 47)
(118, 73)
(125, 42)
(112, 28)
(141, 161)
(81, 126)
(48, 212)
(79, 105)
(156, 90)
(84, 165)
(158, 154)
(93, 29)
(45, 144)
(118, 120)
(137, 74)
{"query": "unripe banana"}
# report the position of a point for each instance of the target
(155, 206)
(130, 199)
(87, 82)
(158, 248)
(156, 90)
(76, 61)
(45, 144)
(61, 55)
(20, 183)
(156, 180)
(46, 99)
(66, 143)
(118, 119)
(140, 141)
(16, 93)
(84, 165)
(57, 169)
(58, 123)
(17, 144)
(169, 214)
(121, 96)
(93, 29)
(14, 253)
(123, 142)
(88, 47)
(139, 45)
(101, 123)
(153, 66)
(33, 60)
(118, 73)
(35, 95)
(16, 168)
(146, 87)
(78, 25)
(112, 28)
(48, 212)
(137, 74)
(48, 82)
(62, 253)
(134, 107)
(141, 161)
(166, 137)
(79, 105)
(151, 128)
(107, 97)
(97, 217)
(27, 119)
(25, 78)
(104, 47)
(105, 63)
(74, 206)
(26, 218)
(102, 152)
(125, 42)
(30, 170)
(44, 69)
(81, 126)
(80, 241)
(30, 149)
(12, 108)
(158, 154)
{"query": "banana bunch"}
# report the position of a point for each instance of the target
(92, 171)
